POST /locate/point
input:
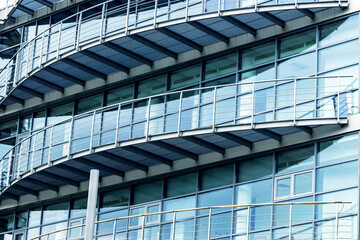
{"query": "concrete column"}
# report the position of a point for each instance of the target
(91, 204)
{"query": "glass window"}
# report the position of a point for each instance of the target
(90, 103)
(21, 219)
(258, 74)
(8, 129)
(300, 66)
(283, 187)
(298, 43)
(78, 207)
(10, 38)
(181, 185)
(53, 228)
(303, 183)
(114, 199)
(39, 120)
(7, 223)
(339, 55)
(60, 113)
(151, 86)
(217, 177)
(25, 124)
(29, 32)
(220, 197)
(55, 212)
(120, 94)
(147, 192)
(108, 227)
(338, 176)
(258, 55)
(220, 66)
(253, 193)
(339, 31)
(295, 160)
(255, 168)
(34, 217)
(177, 204)
(185, 77)
(6, 145)
(341, 149)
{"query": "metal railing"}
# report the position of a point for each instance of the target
(6, 6)
(103, 21)
(297, 220)
(213, 107)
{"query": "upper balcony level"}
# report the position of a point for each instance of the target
(107, 38)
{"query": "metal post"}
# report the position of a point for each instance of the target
(148, 119)
(173, 227)
(9, 167)
(338, 97)
(219, 7)
(214, 110)
(41, 50)
(117, 124)
(19, 162)
(143, 228)
(59, 40)
(209, 223)
(290, 222)
(70, 136)
(248, 224)
(28, 59)
(252, 104)
(127, 18)
(78, 32)
(180, 108)
(33, 156)
(294, 101)
(50, 144)
(102, 22)
(155, 13)
(92, 132)
(114, 230)
(337, 222)
(91, 204)
(186, 10)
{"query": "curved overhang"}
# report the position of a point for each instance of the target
(69, 54)
(139, 134)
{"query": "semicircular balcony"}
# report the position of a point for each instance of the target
(109, 38)
(165, 128)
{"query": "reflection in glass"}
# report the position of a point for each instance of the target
(108, 227)
(78, 208)
(295, 160)
(181, 185)
(34, 216)
(283, 187)
(21, 219)
(185, 77)
(59, 113)
(7, 223)
(258, 74)
(258, 55)
(300, 66)
(178, 204)
(253, 193)
(147, 192)
(220, 66)
(53, 228)
(255, 168)
(88, 104)
(151, 86)
(303, 183)
(111, 200)
(55, 212)
(120, 94)
(8, 129)
(216, 177)
(298, 43)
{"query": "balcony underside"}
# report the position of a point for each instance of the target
(143, 152)
(149, 43)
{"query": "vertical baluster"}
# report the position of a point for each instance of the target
(143, 228)
(248, 223)
(92, 132)
(338, 97)
(102, 23)
(41, 49)
(290, 221)
(294, 101)
(186, 10)
(337, 222)
(155, 12)
(209, 223)
(214, 110)
(117, 125)
(1, 172)
(10, 162)
(114, 230)
(19, 161)
(180, 108)
(78, 32)
(252, 104)
(256, 5)
(173, 227)
(148, 119)
(70, 136)
(33, 156)
(28, 58)
(127, 17)
(59, 41)
(50, 144)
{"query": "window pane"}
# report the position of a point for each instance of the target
(258, 74)
(298, 43)
(120, 94)
(151, 86)
(295, 160)
(60, 113)
(177, 204)
(21, 219)
(341, 149)
(7, 223)
(283, 187)
(147, 192)
(25, 124)
(34, 217)
(39, 120)
(338, 176)
(114, 199)
(339, 31)
(300, 66)
(90, 103)
(303, 183)
(55, 212)
(252, 193)
(78, 208)
(181, 185)
(53, 228)
(216, 177)
(255, 168)
(258, 55)
(108, 227)
(339, 55)
(6, 145)
(220, 197)
(220, 66)
(185, 77)
(10, 38)
(8, 129)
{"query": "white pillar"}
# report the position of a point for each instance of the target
(91, 204)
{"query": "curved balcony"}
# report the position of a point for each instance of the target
(163, 128)
(332, 221)
(107, 38)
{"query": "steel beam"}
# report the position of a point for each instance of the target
(25, 10)
(181, 39)
(72, 170)
(206, 144)
(210, 31)
(16, 99)
(30, 91)
(307, 13)
(43, 184)
(59, 178)
(175, 149)
(239, 24)
(47, 84)
(100, 166)
(45, 3)
(105, 61)
(150, 155)
(236, 139)
(10, 195)
(129, 53)
(272, 18)
(269, 134)
(154, 46)
(27, 190)
(65, 76)
(122, 160)
(308, 130)
(84, 68)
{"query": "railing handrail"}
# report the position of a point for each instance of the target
(165, 94)
(244, 206)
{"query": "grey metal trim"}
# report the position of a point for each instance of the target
(100, 166)
(307, 13)
(43, 184)
(31, 91)
(272, 19)
(306, 129)
(172, 148)
(240, 24)
(45, 3)
(25, 10)
(16, 99)
(65, 76)
(47, 84)
(60, 178)
(123, 160)
(269, 134)
(148, 155)
(12, 196)
(84, 68)
(72, 170)
(205, 144)
(180, 38)
(236, 139)
(210, 32)
(27, 190)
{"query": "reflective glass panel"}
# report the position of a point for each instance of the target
(108, 227)
(7, 223)
(328, 177)
(151, 86)
(34, 217)
(300, 66)
(21, 219)
(258, 55)
(181, 185)
(78, 207)
(55, 212)
(177, 204)
(253, 193)
(344, 148)
(25, 124)
(60, 113)
(303, 183)
(185, 77)
(53, 228)
(298, 43)
(114, 199)
(8, 129)
(6, 145)
(39, 120)
(216, 177)
(258, 74)
(220, 66)
(215, 198)
(147, 192)
(283, 187)
(295, 160)
(255, 168)
(89, 103)
(120, 94)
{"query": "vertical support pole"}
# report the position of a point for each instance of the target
(209, 225)
(186, 10)
(19, 161)
(78, 33)
(155, 12)
(114, 230)
(50, 144)
(290, 221)
(214, 110)
(92, 132)
(101, 34)
(148, 119)
(1, 173)
(127, 18)
(9, 168)
(70, 136)
(143, 228)
(173, 227)
(256, 5)
(33, 156)
(338, 97)
(248, 224)
(117, 125)
(28, 58)
(179, 117)
(59, 41)
(337, 222)
(294, 101)
(91, 204)
(41, 50)
(252, 104)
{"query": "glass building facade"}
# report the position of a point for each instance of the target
(320, 61)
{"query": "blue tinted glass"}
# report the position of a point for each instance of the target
(303, 183)
(215, 198)
(107, 227)
(221, 224)
(300, 66)
(295, 160)
(252, 193)
(255, 168)
(338, 176)
(283, 187)
(177, 204)
(216, 177)
(258, 55)
(298, 43)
